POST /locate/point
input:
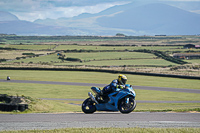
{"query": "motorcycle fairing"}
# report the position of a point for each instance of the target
(112, 104)
(95, 90)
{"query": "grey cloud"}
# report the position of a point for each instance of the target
(40, 9)
(33, 5)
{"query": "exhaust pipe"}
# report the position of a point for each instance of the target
(92, 97)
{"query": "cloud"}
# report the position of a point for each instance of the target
(19, 5)
(31, 10)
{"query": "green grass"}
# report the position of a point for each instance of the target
(12, 54)
(45, 90)
(52, 106)
(2, 45)
(47, 58)
(92, 59)
(167, 107)
(89, 47)
(193, 61)
(80, 92)
(96, 48)
(74, 106)
(98, 77)
(89, 56)
(31, 47)
(156, 62)
(48, 106)
(111, 130)
(165, 96)
(109, 55)
(145, 60)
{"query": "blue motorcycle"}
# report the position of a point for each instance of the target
(122, 100)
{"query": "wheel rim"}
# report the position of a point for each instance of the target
(127, 106)
(88, 106)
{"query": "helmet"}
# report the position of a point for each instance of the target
(122, 79)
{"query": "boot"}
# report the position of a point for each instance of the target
(99, 96)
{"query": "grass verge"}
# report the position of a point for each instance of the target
(111, 130)
(48, 106)
(80, 92)
(98, 77)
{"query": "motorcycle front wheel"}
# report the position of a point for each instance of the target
(88, 106)
(127, 105)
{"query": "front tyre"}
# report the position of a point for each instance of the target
(88, 106)
(127, 105)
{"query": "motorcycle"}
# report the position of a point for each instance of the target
(122, 100)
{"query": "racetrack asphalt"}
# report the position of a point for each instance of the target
(98, 120)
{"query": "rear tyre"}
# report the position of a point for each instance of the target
(88, 106)
(127, 107)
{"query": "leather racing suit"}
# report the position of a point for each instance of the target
(112, 87)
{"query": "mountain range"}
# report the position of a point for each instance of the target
(129, 19)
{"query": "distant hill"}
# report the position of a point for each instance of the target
(137, 18)
(29, 28)
(6, 16)
(10, 24)
(154, 19)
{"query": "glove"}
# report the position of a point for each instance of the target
(121, 86)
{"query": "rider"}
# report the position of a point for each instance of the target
(115, 85)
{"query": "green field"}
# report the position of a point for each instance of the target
(98, 77)
(46, 58)
(91, 47)
(92, 56)
(12, 54)
(80, 92)
(195, 61)
(136, 53)
(110, 55)
(31, 47)
(101, 59)
(150, 62)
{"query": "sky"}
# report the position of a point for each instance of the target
(31, 10)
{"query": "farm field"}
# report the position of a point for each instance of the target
(31, 47)
(114, 63)
(92, 56)
(146, 54)
(99, 47)
(13, 54)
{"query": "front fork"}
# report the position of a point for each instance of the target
(127, 100)
(92, 97)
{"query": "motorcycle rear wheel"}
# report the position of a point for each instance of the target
(88, 106)
(126, 108)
